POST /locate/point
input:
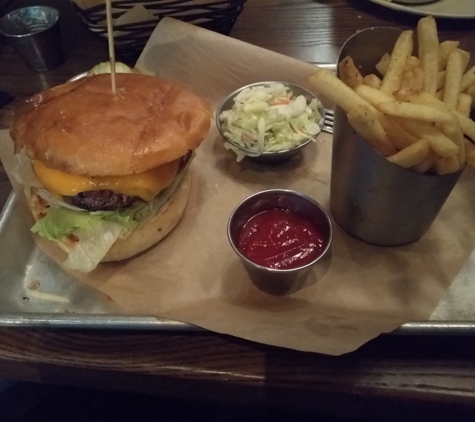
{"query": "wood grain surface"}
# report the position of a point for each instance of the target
(431, 374)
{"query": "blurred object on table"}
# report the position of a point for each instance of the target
(35, 34)
(134, 21)
(5, 98)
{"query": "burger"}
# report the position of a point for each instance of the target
(106, 174)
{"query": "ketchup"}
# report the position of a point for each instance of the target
(280, 239)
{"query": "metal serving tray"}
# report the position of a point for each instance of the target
(76, 305)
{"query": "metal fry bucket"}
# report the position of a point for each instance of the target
(370, 198)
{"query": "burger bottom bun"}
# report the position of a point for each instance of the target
(153, 231)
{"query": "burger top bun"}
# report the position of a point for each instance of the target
(82, 128)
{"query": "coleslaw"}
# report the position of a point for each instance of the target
(269, 118)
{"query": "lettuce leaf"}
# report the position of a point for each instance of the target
(61, 222)
(95, 234)
(95, 240)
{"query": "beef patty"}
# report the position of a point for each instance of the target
(100, 200)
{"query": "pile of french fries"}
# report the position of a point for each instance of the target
(415, 109)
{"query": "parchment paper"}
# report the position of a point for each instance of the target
(195, 277)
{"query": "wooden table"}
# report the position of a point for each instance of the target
(385, 378)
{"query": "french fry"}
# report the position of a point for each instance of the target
(413, 79)
(453, 131)
(398, 136)
(411, 63)
(468, 79)
(362, 116)
(349, 73)
(418, 82)
(423, 98)
(466, 124)
(456, 63)
(428, 52)
(460, 142)
(327, 83)
(365, 122)
(470, 153)
(464, 105)
(471, 91)
(415, 111)
(439, 142)
(372, 95)
(428, 162)
(401, 51)
(407, 81)
(372, 80)
(445, 48)
(446, 165)
(382, 65)
(412, 155)
(440, 80)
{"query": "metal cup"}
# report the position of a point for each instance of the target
(273, 281)
(34, 32)
(370, 198)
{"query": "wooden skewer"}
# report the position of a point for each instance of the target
(110, 38)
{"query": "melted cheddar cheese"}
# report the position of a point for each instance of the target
(144, 185)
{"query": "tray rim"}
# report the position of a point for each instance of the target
(138, 322)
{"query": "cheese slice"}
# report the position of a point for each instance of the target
(144, 185)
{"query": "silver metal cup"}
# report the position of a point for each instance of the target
(273, 281)
(35, 34)
(370, 198)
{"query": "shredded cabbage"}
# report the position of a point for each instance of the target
(266, 118)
